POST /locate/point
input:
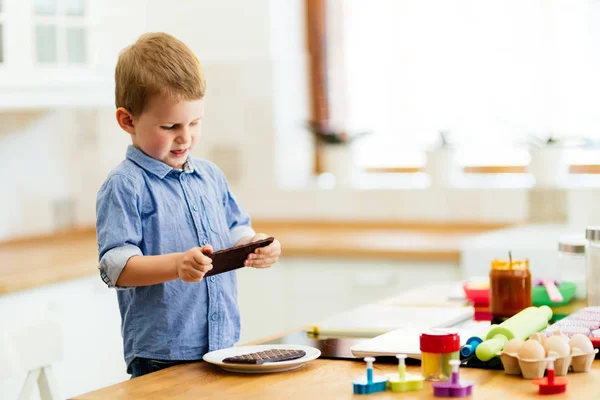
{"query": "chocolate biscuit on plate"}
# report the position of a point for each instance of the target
(266, 356)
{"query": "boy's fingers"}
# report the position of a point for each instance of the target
(204, 268)
(272, 248)
(263, 261)
(253, 256)
(207, 249)
(263, 255)
(200, 257)
(266, 250)
(194, 275)
(263, 250)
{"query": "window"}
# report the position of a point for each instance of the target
(45, 7)
(45, 44)
(76, 46)
(60, 31)
(490, 73)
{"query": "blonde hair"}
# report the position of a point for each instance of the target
(157, 64)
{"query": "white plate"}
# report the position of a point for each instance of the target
(216, 357)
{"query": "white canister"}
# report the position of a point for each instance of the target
(339, 160)
(548, 166)
(592, 265)
(442, 167)
(571, 264)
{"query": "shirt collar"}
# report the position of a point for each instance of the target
(158, 168)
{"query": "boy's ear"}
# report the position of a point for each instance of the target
(125, 120)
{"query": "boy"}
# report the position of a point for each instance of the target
(161, 211)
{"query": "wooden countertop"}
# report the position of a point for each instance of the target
(34, 262)
(373, 240)
(327, 379)
(322, 379)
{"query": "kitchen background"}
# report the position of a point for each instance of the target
(490, 76)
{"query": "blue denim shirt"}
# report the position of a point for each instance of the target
(146, 207)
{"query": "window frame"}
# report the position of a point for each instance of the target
(62, 22)
(316, 28)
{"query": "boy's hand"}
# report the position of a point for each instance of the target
(266, 256)
(193, 264)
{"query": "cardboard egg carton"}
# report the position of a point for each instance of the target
(576, 361)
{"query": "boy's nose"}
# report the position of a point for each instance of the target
(184, 136)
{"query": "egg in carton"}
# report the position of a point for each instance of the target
(528, 358)
(532, 359)
(510, 356)
(559, 346)
(583, 353)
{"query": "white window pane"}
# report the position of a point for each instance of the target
(44, 7)
(75, 7)
(76, 46)
(1, 43)
(45, 43)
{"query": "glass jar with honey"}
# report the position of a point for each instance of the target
(510, 288)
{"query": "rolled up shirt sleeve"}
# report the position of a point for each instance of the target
(118, 227)
(239, 232)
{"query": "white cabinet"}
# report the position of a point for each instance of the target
(56, 53)
(303, 290)
(92, 346)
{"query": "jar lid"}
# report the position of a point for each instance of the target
(572, 245)
(592, 233)
(435, 341)
(513, 265)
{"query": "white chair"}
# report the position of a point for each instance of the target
(33, 348)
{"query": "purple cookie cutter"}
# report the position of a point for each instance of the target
(453, 387)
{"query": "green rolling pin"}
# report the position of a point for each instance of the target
(521, 326)
(470, 346)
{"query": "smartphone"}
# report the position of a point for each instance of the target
(233, 258)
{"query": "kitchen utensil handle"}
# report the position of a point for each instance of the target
(553, 292)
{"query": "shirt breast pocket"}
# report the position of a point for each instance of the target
(215, 215)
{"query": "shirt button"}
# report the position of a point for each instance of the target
(212, 279)
(214, 317)
(195, 207)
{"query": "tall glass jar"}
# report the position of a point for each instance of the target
(592, 265)
(510, 288)
(571, 263)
